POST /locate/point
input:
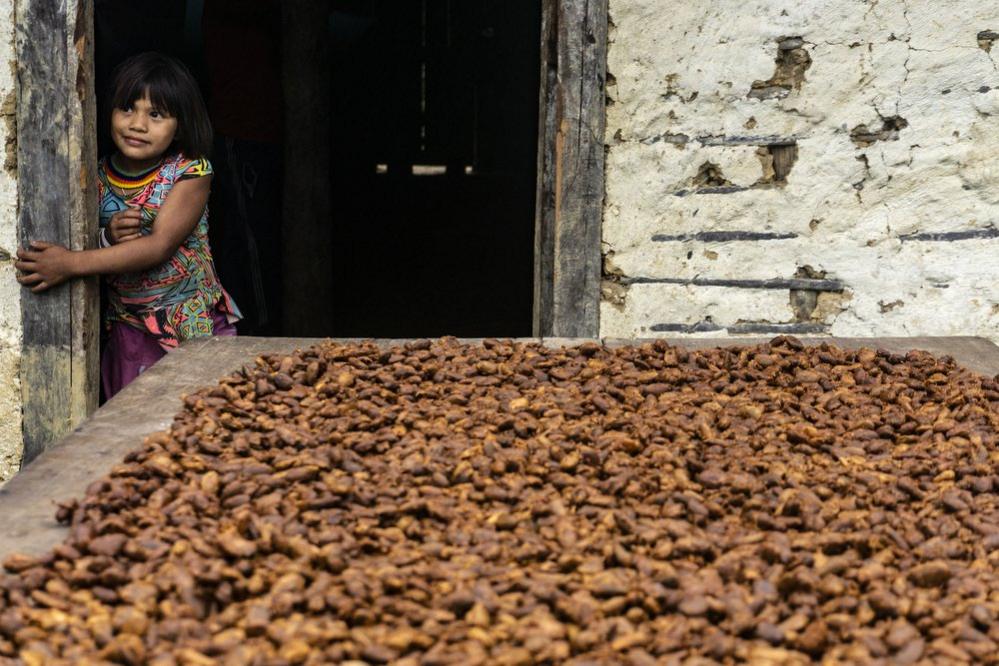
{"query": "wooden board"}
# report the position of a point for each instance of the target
(28, 501)
(307, 232)
(569, 208)
(56, 156)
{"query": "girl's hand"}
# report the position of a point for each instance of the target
(44, 266)
(125, 225)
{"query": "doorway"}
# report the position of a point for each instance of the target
(57, 123)
(435, 166)
(431, 161)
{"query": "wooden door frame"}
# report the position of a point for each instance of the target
(569, 210)
(56, 157)
(56, 135)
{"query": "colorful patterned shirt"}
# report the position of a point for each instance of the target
(174, 301)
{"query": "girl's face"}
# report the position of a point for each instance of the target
(142, 133)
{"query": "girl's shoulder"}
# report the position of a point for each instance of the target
(181, 166)
(102, 167)
(103, 186)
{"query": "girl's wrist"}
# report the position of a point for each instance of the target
(73, 266)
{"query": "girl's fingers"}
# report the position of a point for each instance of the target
(129, 237)
(24, 266)
(40, 287)
(131, 216)
(26, 255)
(31, 278)
(123, 222)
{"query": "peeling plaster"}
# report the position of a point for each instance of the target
(791, 64)
(10, 295)
(890, 186)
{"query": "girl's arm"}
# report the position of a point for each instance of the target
(46, 265)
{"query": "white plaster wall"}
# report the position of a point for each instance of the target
(10, 304)
(680, 74)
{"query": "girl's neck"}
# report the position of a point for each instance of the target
(134, 167)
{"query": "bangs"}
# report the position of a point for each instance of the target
(156, 86)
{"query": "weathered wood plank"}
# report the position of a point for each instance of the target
(307, 230)
(544, 224)
(571, 164)
(42, 214)
(82, 139)
(47, 74)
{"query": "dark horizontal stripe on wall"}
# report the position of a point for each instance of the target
(715, 140)
(767, 140)
(738, 329)
(762, 327)
(950, 236)
(722, 189)
(800, 284)
(724, 236)
(699, 327)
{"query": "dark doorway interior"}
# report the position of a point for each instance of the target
(434, 119)
(420, 88)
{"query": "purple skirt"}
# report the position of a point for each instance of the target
(129, 352)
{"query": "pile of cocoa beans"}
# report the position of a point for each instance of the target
(503, 503)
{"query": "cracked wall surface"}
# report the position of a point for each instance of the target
(10, 297)
(775, 166)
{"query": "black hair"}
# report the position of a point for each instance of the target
(170, 88)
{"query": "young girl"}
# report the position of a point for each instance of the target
(162, 286)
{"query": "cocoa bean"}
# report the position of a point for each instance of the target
(930, 574)
(506, 503)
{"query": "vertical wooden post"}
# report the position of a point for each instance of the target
(570, 168)
(83, 216)
(308, 234)
(56, 161)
